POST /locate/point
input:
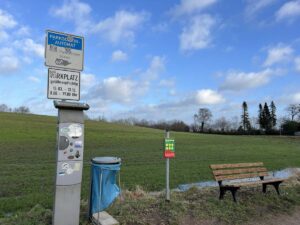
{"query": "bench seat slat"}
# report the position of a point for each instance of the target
(254, 183)
(239, 171)
(240, 176)
(237, 165)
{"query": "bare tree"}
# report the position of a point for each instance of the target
(22, 109)
(293, 110)
(203, 116)
(4, 108)
(234, 122)
(222, 124)
(195, 124)
(101, 118)
(254, 122)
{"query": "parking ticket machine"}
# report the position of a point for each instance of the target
(70, 146)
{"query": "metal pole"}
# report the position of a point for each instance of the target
(167, 173)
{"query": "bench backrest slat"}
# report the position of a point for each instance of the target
(238, 171)
(237, 165)
(240, 176)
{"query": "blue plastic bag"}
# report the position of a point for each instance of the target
(103, 195)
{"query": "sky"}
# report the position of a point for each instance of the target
(157, 59)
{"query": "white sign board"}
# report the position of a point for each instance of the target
(63, 84)
(64, 50)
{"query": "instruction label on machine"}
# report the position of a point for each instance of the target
(63, 84)
(169, 148)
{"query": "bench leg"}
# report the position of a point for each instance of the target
(264, 188)
(276, 186)
(222, 192)
(233, 192)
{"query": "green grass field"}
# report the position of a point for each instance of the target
(27, 157)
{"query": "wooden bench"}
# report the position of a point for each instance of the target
(227, 174)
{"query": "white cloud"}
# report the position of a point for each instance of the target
(197, 34)
(297, 63)
(30, 46)
(157, 65)
(118, 55)
(34, 79)
(68, 9)
(278, 54)
(6, 20)
(237, 81)
(290, 98)
(172, 92)
(190, 6)
(9, 62)
(160, 27)
(27, 59)
(295, 98)
(181, 109)
(167, 83)
(87, 80)
(121, 27)
(289, 11)
(208, 97)
(123, 90)
(254, 6)
(23, 31)
(76, 11)
(3, 35)
(116, 89)
(118, 28)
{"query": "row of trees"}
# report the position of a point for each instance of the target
(175, 125)
(20, 109)
(267, 118)
(266, 121)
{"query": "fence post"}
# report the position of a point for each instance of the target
(167, 135)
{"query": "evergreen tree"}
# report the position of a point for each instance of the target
(245, 117)
(273, 115)
(260, 116)
(266, 116)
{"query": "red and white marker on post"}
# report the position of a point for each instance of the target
(169, 152)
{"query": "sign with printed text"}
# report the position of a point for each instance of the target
(64, 50)
(63, 84)
(169, 148)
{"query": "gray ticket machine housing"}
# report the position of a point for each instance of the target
(70, 146)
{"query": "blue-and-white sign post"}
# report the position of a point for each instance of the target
(64, 57)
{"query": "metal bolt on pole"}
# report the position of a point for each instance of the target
(167, 135)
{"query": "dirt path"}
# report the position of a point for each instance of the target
(283, 219)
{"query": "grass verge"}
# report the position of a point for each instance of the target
(203, 207)
(195, 206)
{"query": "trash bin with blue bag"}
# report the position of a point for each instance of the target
(104, 189)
